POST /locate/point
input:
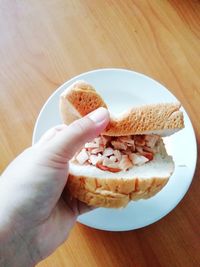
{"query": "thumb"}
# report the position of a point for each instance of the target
(68, 141)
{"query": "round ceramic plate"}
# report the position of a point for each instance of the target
(122, 89)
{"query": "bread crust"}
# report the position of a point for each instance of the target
(113, 193)
(163, 119)
(157, 118)
(78, 100)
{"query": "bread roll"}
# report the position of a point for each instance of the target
(103, 188)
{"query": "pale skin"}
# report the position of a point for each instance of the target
(35, 217)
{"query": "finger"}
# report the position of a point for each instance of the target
(76, 206)
(51, 133)
(68, 141)
(84, 208)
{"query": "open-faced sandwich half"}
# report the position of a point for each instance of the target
(128, 161)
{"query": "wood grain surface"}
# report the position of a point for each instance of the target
(44, 43)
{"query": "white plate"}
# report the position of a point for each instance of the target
(122, 89)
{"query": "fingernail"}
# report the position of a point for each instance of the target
(99, 115)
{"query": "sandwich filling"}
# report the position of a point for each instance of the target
(121, 153)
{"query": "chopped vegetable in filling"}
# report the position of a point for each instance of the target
(117, 154)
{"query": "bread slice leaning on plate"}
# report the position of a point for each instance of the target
(128, 161)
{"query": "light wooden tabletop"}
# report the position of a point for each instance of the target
(44, 43)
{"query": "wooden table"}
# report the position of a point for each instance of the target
(44, 43)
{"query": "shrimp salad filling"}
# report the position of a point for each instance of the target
(121, 153)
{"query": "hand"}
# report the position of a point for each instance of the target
(34, 219)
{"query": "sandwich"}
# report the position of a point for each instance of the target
(128, 161)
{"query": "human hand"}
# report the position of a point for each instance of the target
(34, 219)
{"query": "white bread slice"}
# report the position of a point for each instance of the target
(114, 190)
(163, 119)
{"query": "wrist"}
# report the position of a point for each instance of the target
(16, 250)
